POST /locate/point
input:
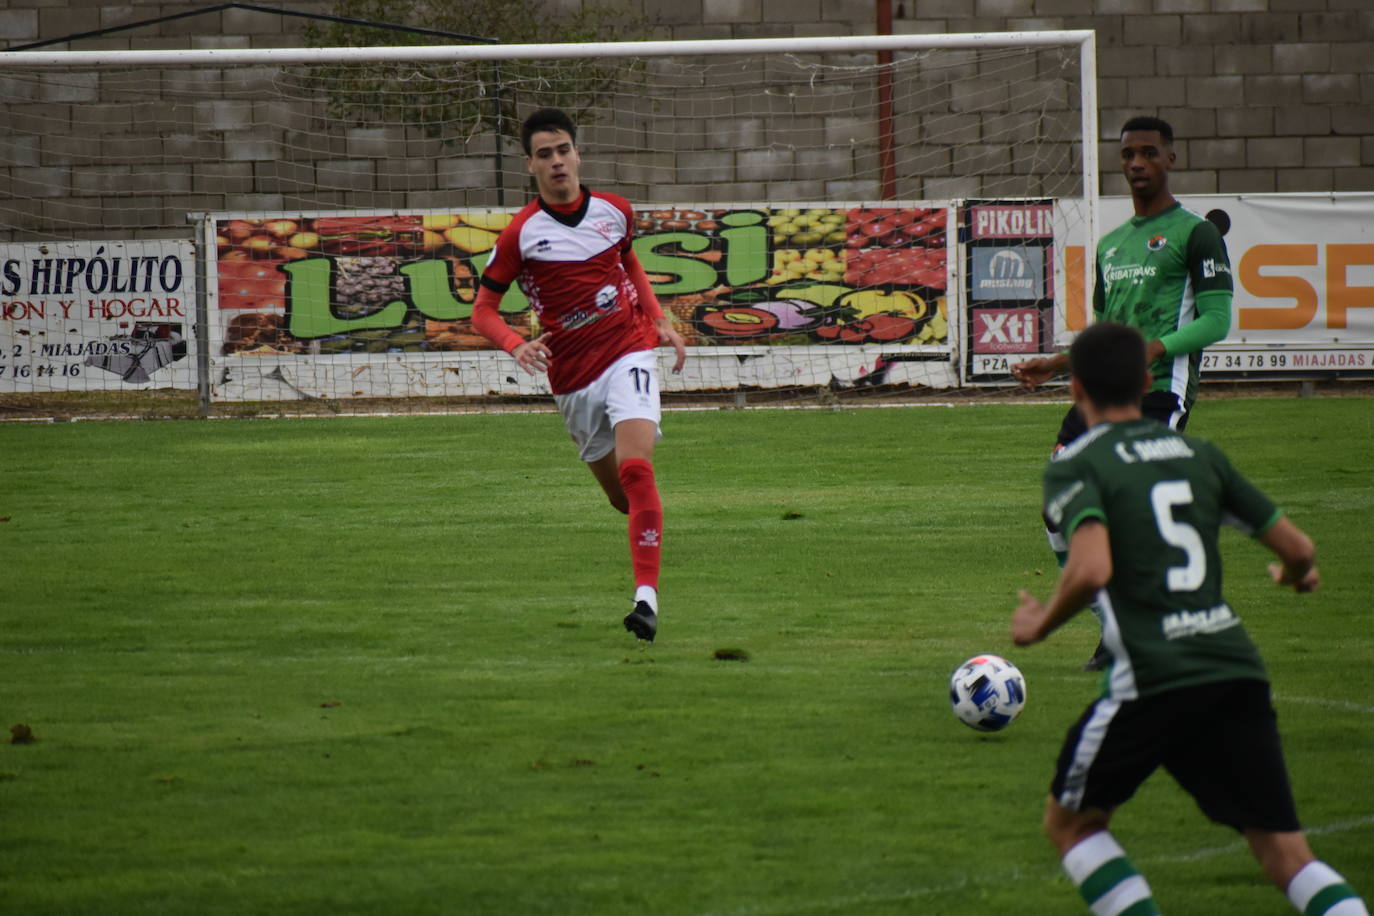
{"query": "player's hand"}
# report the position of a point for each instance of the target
(1026, 619)
(533, 355)
(667, 334)
(1309, 581)
(1033, 372)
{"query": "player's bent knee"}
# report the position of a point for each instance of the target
(1066, 829)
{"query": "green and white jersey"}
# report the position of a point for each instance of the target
(1163, 497)
(1159, 274)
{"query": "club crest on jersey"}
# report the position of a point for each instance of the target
(1157, 243)
(606, 297)
(605, 228)
(607, 301)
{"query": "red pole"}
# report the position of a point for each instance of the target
(886, 156)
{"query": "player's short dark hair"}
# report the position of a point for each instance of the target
(1108, 359)
(1145, 122)
(546, 119)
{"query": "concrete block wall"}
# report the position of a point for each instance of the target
(1265, 95)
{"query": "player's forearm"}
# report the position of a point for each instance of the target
(1041, 368)
(1071, 595)
(1086, 572)
(648, 300)
(1293, 547)
(1213, 322)
(487, 321)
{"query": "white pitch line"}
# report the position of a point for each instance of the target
(1014, 876)
(1329, 704)
(1241, 846)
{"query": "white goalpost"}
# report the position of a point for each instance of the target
(822, 216)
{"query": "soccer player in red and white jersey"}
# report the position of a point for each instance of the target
(569, 249)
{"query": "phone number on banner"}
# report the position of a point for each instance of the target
(1337, 360)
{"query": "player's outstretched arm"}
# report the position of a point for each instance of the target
(1087, 571)
(1297, 554)
(1035, 372)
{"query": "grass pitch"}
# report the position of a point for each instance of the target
(376, 666)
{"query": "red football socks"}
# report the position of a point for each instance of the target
(646, 519)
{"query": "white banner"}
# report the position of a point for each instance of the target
(97, 315)
(1304, 281)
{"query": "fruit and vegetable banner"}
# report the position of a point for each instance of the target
(319, 286)
(97, 315)
(795, 276)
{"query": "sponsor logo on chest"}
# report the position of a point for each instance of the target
(1196, 623)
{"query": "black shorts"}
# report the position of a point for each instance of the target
(1157, 405)
(1219, 741)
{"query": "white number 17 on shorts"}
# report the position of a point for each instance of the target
(627, 390)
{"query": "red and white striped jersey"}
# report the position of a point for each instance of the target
(570, 267)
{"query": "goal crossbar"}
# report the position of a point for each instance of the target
(1084, 38)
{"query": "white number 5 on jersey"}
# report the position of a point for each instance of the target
(1164, 496)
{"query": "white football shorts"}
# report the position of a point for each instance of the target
(627, 390)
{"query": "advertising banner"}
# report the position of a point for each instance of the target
(97, 315)
(1302, 265)
(1009, 254)
(379, 305)
(1304, 272)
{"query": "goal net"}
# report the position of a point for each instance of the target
(823, 218)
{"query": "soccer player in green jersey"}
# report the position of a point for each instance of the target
(1164, 271)
(1141, 506)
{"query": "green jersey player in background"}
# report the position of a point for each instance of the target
(1166, 272)
(1141, 506)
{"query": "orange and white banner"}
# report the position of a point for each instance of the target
(1304, 274)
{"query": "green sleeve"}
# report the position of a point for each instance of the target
(1244, 506)
(1213, 322)
(1209, 264)
(1277, 514)
(1071, 495)
(1209, 273)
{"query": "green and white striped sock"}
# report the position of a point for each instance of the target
(1318, 890)
(1106, 879)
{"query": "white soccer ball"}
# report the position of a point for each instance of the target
(987, 692)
